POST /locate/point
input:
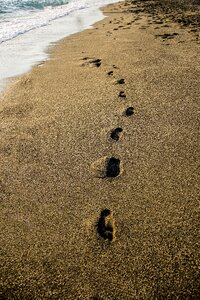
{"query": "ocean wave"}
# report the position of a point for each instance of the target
(8, 6)
(20, 22)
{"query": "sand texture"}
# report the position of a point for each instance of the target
(98, 166)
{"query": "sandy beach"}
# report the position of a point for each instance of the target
(99, 165)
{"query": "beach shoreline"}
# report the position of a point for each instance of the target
(20, 54)
(98, 165)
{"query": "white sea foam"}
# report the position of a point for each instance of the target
(22, 21)
(19, 19)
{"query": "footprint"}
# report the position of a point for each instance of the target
(115, 134)
(158, 22)
(110, 73)
(96, 62)
(121, 81)
(106, 225)
(93, 61)
(129, 111)
(85, 58)
(122, 94)
(107, 167)
(167, 35)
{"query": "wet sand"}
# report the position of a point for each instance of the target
(98, 166)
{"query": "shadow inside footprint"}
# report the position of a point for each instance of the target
(121, 81)
(110, 73)
(158, 22)
(167, 35)
(96, 62)
(113, 167)
(115, 133)
(106, 226)
(129, 111)
(122, 94)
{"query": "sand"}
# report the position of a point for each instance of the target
(98, 202)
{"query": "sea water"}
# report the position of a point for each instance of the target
(28, 27)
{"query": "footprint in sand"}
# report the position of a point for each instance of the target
(92, 61)
(167, 36)
(129, 111)
(143, 27)
(115, 134)
(121, 81)
(110, 73)
(96, 62)
(107, 167)
(122, 94)
(106, 225)
(108, 33)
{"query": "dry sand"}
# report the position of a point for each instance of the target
(55, 131)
